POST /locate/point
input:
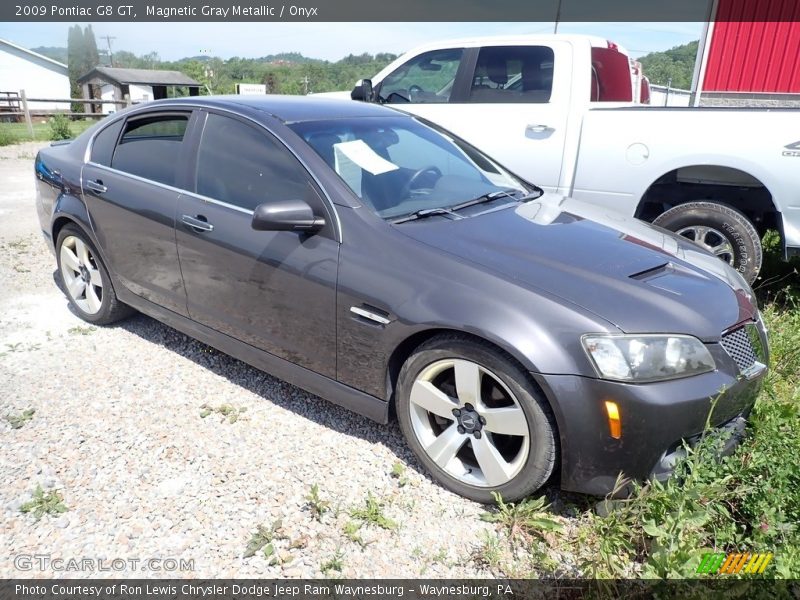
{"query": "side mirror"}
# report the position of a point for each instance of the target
(362, 91)
(288, 215)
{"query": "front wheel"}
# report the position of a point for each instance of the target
(474, 419)
(720, 229)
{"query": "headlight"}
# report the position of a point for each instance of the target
(641, 358)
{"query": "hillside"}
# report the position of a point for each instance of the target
(676, 64)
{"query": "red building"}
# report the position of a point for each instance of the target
(749, 54)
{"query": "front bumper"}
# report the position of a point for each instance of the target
(655, 417)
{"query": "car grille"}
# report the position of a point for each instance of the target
(739, 345)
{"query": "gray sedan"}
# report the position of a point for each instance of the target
(384, 264)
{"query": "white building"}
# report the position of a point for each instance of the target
(39, 76)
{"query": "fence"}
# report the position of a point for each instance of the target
(17, 105)
(661, 95)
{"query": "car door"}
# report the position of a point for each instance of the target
(275, 290)
(510, 101)
(131, 188)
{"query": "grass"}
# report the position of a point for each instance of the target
(13, 133)
(335, 563)
(50, 503)
(747, 502)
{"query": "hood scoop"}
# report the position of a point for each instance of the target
(651, 272)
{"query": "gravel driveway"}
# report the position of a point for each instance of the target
(121, 433)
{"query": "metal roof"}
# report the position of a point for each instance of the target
(36, 55)
(139, 76)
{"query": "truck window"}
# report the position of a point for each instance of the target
(611, 76)
(513, 74)
(427, 78)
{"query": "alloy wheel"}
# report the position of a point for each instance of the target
(710, 239)
(81, 276)
(469, 422)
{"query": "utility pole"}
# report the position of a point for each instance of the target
(108, 39)
(305, 81)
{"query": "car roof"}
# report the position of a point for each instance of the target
(292, 109)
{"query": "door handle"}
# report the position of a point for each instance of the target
(198, 223)
(96, 186)
(538, 128)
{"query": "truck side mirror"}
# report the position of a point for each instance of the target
(362, 91)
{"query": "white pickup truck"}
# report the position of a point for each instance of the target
(563, 112)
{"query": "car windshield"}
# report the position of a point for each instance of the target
(399, 166)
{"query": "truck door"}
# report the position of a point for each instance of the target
(510, 101)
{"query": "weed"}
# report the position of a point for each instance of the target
(262, 538)
(399, 473)
(50, 503)
(335, 563)
(226, 411)
(80, 330)
(59, 128)
(317, 505)
(372, 512)
(351, 531)
(18, 421)
(523, 520)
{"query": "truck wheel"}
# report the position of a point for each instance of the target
(720, 229)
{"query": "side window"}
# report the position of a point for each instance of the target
(242, 166)
(513, 74)
(149, 147)
(104, 142)
(427, 78)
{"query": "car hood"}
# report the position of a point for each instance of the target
(638, 277)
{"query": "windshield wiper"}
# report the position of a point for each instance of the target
(426, 212)
(498, 194)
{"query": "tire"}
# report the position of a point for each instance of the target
(85, 280)
(503, 442)
(721, 230)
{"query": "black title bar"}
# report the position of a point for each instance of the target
(390, 10)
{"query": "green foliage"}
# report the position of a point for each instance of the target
(523, 520)
(317, 505)
(372, 512)
(18, 421)
(7, 137)
(59, 128)
(335, 563)
(42, 504)
(673, 67)
(263, 538)
(228, 412)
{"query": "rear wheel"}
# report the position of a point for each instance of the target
(85, 279)
(474, 419)
(720, 229)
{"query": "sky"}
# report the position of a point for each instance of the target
(329, 41)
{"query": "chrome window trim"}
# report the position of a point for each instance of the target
(338, 231)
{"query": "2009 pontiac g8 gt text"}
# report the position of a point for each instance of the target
(376, 260)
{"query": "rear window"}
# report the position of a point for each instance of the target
(149, 147)
(611, 76)
(513, 74)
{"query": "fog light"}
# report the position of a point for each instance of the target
(614, 424)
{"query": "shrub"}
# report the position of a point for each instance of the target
(59, 128)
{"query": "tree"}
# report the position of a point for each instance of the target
(673, 67)
(74, 64)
